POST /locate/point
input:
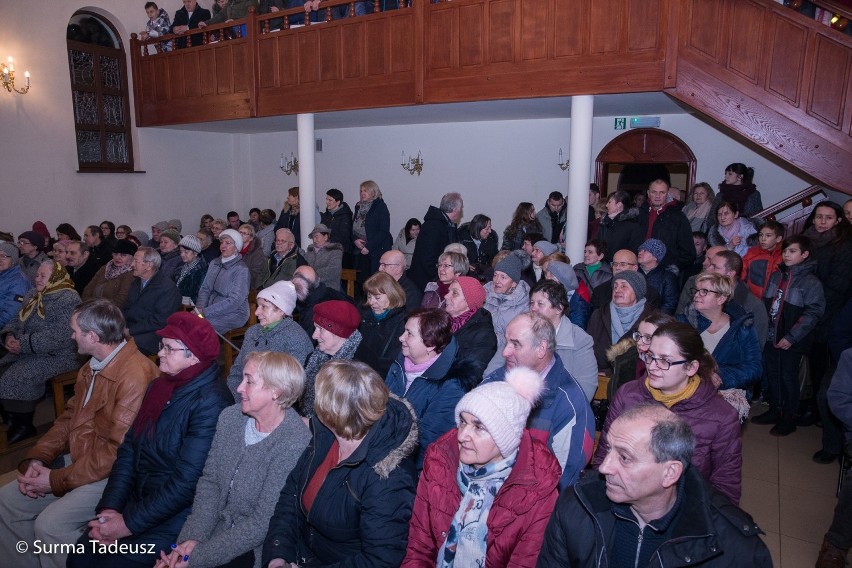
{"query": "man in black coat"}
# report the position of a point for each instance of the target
(310, 291)
(664, 220)
(438, 230)
(393, 264)
(152, 298)
(81, 264)
(187, 18)
(652, 502)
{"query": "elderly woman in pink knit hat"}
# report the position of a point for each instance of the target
(489, 472)
(472, 325)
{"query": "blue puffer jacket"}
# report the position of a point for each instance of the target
(739, 353)
(435, 393)
(359, 517)
(13, 286)
(153, 479)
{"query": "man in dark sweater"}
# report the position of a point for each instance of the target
(648, 501)
(82, 264)
(393, 263)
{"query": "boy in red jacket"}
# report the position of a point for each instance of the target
(763, 259)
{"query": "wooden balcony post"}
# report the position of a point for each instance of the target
(252, 48)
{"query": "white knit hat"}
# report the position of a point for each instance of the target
(235, 236)
(504, 406)
(282, 295)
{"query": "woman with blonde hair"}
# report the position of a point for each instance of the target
(348, 500)
(257, 443)
(289, 217)
(370, 229)
(382, 322)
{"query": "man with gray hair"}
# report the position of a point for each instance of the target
(62, 477)
(310, 291)
(649, 506)
(284, 259)
(438, 230)
(152, 298)
(82, 266)
(563, 418)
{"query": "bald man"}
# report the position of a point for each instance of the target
(622, 260)
(393, 263)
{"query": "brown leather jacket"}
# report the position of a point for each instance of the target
(92, 433)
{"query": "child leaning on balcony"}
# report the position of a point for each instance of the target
(158, 24)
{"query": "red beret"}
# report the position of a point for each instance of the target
(337, 316)
(195, 332)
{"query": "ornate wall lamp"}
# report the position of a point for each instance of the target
(289, 165)
(563, 164)
(412, 164)
(7, 76)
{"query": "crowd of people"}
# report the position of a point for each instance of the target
(443, 416)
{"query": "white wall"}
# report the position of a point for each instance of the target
(493, 164)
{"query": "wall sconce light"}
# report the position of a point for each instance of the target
(413, 164)
(289, 165)
(838, 22)
(8, 78)
(563, 164)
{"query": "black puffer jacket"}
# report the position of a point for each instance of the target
(711, 531)
(801, 308)
(360, 515)
(477, 340)
(380, 343)
(153, 479)
(665, 282)
(673, 228)
(623, 232)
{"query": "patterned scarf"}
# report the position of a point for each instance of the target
(112, 271)
(187, 268)
(59, 281)
(358, 228)
(466, 540)
(461, 319)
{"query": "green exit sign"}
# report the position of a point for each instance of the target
(620, 123)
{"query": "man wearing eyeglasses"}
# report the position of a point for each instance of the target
(622, 260)
(152, 298)
(13, 283)
(286, 258)
(393, 263)
(63, 476)
(30, 245)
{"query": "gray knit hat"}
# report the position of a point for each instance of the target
(191, 242)
(162, 225)
(635, 280)
(171, 235)
(511, 267)
(546, 247)
(176, 225)
(504, 406)
(565, 274)
(10, 250)
(656, 247)
(142, 236)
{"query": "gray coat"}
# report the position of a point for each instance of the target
(327, 261)
(286, 337)
(239, 488)
(46, 347)
(224, 294)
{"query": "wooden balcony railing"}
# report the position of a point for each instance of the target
(795, 210)
(765, 71)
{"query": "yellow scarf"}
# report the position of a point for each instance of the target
(670, 400)
(59, 280)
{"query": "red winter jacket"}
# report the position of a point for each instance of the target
(518, 516)
(758, 266)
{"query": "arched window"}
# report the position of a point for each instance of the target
(99, 94)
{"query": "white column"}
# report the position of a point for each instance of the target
(579, 176)
(307, 175)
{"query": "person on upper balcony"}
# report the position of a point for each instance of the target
(233, 10)
(158, 24)
(188, 18)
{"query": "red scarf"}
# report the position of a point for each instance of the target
(461, 320)
(159, 393)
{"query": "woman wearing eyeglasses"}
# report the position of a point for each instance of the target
(680, 377)
(728, 333)
(451, 265)
(628, 355)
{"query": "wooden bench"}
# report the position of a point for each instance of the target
(349, 275)
(59, 382)
(236, 336)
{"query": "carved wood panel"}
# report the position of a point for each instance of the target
(831, 81)
(705, 27)
(745, 34)
(786, 48)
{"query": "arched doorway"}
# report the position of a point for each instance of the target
(636, 158)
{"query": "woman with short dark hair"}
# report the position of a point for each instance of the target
(431, 373)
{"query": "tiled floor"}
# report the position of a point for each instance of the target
(791, 497)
